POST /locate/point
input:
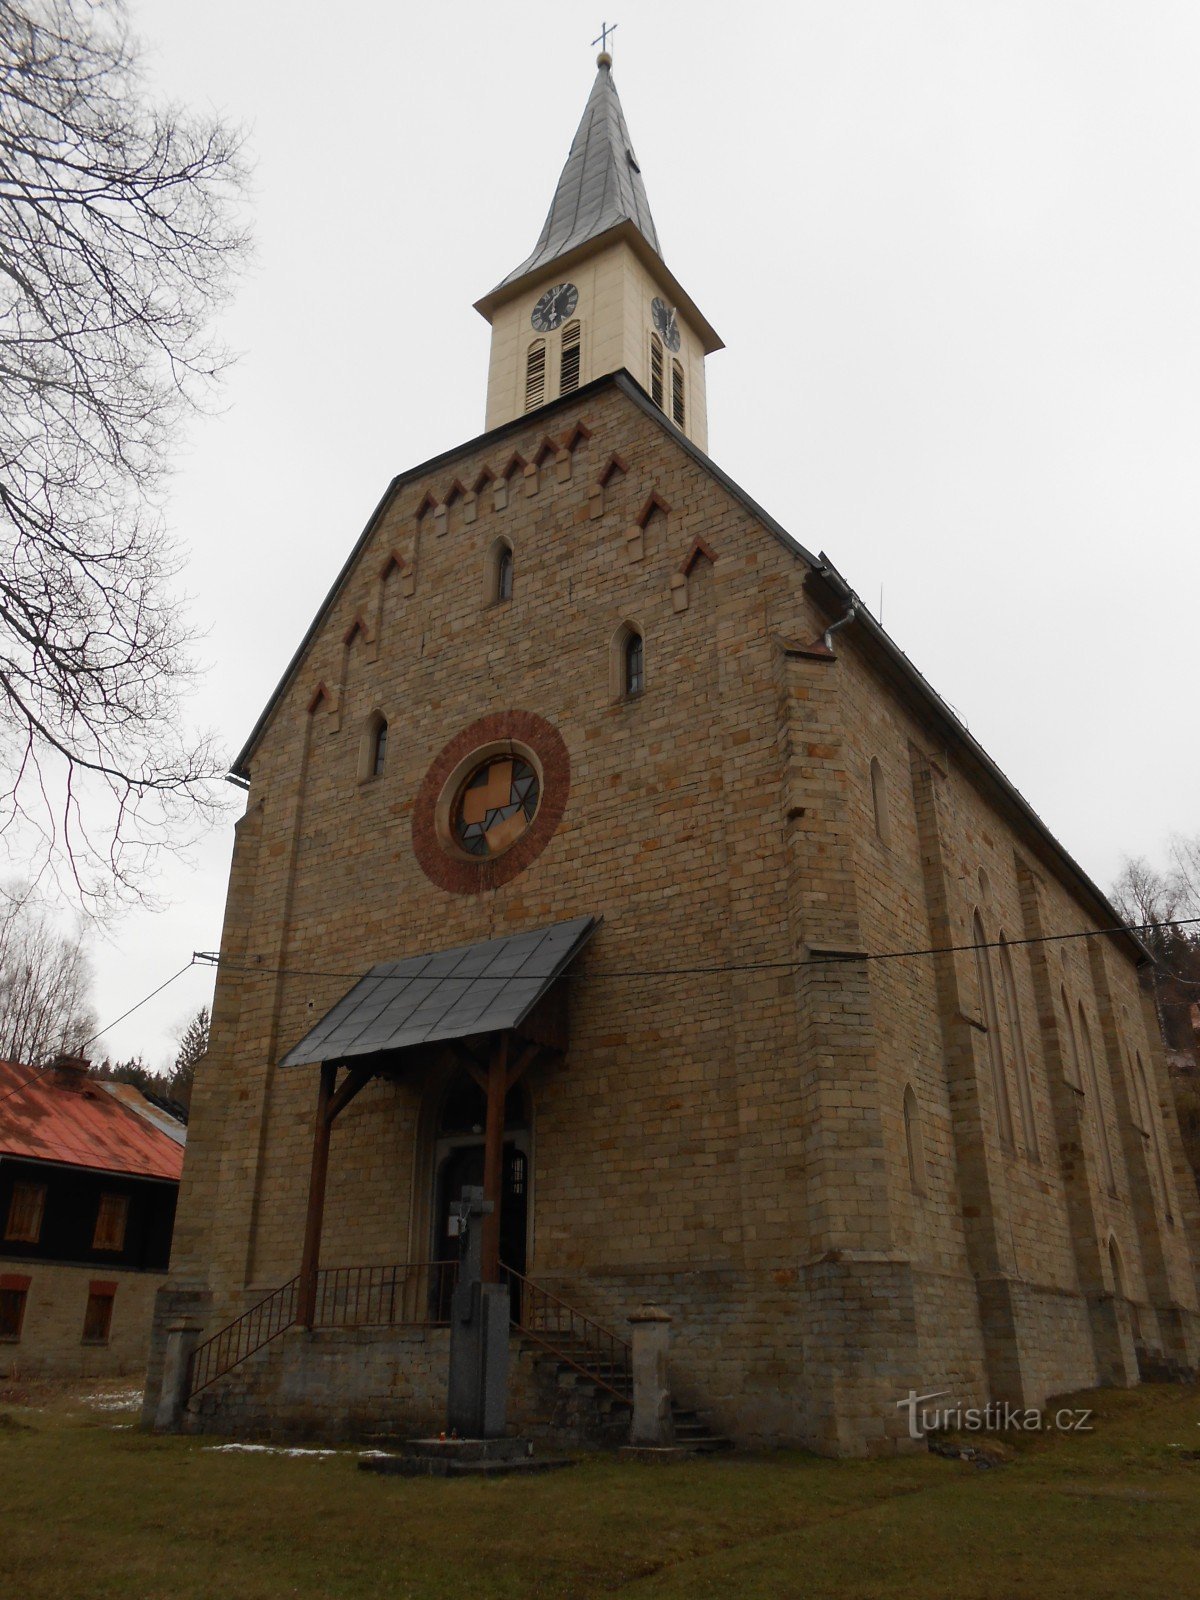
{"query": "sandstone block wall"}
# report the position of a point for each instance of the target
(728, 1131)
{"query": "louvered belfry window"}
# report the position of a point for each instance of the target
(677, 394)
(656, 371)
(535, 375)
(569, 371)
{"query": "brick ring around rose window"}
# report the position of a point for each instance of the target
(491, 801)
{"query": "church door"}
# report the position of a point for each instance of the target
(459, 1165)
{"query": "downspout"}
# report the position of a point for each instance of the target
(841, 622)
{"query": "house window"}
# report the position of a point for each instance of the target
(569, 369)
(535, 375)
(97, 1318)
(111, 1219)
(656, 371)
(25, 1211)
(379, 754)
(1092, 1091)
(13, 1294)
(677, 394)
(635, 664)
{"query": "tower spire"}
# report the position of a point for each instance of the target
(601, 184)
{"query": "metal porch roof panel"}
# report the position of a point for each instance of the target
(447, 994)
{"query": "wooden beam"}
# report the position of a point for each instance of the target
(357, 1078)
(467, 1058)
(306, 1306)
(522, 1064)
(493, 1157)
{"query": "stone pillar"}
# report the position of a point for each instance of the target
(652, 1423)
(182, 1339)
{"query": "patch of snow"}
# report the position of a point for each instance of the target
(275, 1449)
(114, 1400)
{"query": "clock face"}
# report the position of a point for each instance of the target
(555, 306)
(666, 323)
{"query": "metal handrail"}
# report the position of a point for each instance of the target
(232, 1344)
(415, 1294)
(608, 1361)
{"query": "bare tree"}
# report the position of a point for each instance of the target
(45, 983)
(118, 227)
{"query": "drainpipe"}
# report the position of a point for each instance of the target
(841, 622)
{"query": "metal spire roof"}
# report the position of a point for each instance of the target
(601, 184)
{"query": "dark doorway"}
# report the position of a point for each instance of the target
(460, 1165)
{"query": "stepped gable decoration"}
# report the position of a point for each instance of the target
(491, 802)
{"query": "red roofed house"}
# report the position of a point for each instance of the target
(89, 1172)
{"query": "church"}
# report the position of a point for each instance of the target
(602, 850)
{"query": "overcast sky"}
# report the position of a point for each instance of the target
(952, 250)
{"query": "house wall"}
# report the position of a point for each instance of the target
(51, 1342)
(726, 1134)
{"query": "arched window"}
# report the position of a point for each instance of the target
(535, 375)
(1072, 1069)
(1024, 1084)
(569, 366)
(879, 802)
(1092, 1089)
(635, 664)
(677, 394)
(498, 573)
(372, 753)
(1115, 1267)
(1152, 1131)
(914, 1144)
(991, 1020)
(627, 662)
(379, 753)
(656, 371)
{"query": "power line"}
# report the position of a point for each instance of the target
(38, 1076)
(227, 964)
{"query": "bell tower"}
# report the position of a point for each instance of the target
(595, 294)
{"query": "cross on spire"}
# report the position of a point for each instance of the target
(605, 29)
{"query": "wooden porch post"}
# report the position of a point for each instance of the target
(493, 1158)
(306, 1306)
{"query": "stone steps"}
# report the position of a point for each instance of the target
(694, 1434)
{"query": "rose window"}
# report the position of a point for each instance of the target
(495, 805)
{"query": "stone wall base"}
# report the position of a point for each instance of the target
(820, 1355)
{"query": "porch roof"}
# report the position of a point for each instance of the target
(447, 994)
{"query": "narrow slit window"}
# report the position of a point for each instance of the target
(635, 664)
(656, 371)
(379, 750)
(535, 375)
(991, 1021)
(97, 1317)
(569, 371)
(504, 573)
(111, 1220)
(879, 802)
(677, 394)
(914, 1144)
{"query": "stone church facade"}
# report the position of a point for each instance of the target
(571, 670)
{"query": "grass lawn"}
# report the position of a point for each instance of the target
(93, 1508)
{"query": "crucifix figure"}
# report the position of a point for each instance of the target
(605, 29)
